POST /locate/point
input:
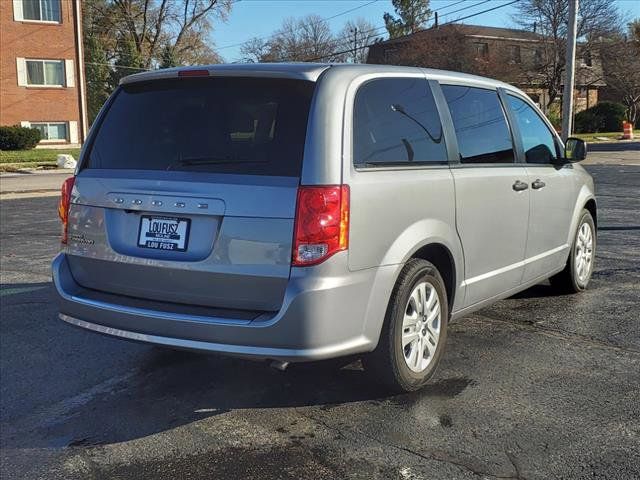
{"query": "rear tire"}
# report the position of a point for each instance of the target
(577, 272)
(414, 332)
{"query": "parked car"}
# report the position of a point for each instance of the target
(299, 212)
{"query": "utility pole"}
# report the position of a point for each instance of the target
(570, 67)
(355, 45)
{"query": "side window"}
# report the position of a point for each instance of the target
(395, 121)
(537, 141)
(481, 126)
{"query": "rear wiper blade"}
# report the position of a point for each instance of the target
(211, 160)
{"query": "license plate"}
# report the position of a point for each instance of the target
(164, 233)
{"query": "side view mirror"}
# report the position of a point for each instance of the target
(575, 149)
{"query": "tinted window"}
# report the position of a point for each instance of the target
(537, 141)
(221, 125)
(481, 127)
(396, 121)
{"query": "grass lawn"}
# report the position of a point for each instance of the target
(37, 155)
(610, 136)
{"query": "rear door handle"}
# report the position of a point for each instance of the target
(519, 186)
(538, 184)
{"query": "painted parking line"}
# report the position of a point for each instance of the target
(36, 194)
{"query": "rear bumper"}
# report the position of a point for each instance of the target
(327, 312)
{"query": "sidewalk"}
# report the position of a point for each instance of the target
(614, 153)
(42, 183)
(37, 184)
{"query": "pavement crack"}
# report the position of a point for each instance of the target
(514, 462)
(431, 456)
(554, 333)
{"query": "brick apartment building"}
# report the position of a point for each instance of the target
(498, 50)
(41, 69)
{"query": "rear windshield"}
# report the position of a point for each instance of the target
(253, 126)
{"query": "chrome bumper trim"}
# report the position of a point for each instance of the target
(239, 350)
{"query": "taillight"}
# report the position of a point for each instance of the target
(322, 223)
(64, 204)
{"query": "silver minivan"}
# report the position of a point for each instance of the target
(298, 212)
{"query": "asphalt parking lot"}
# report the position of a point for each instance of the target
(537, 386)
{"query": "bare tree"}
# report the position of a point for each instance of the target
(357, 35)
(596, 18)
(256, 50)
(155, 25)
(448, 48)
(302, 39)
(122, 37)
(621, 64)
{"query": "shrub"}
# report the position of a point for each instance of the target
(18, 138)
(554, 118)
(603, 117)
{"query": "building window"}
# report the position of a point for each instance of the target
(389, 54)
(482, 49)
(514, 53)
(41, 10)
(538, 57)
(51, 131)
(45, 72)
(587, 61)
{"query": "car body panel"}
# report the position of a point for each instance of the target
(551, 210)
(239, 247)
(492, 220)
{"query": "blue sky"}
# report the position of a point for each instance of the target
(260, 18)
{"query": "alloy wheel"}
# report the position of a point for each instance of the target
(421, 327)
(584, 253)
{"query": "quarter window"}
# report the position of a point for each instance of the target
(45, 72)
(481, 127)
(396, 122)
(537, 140)
(41, 10)
(51, 131)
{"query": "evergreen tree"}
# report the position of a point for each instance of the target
(412, 15)
(168, 57)
(97, 72)
(128, 61)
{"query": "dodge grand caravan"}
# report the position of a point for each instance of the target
(298, 212)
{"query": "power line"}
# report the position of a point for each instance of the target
(112, 65)
(466, 8)
(348, 42)
(273, 35)
(333, 54)
(419, 18)
(427, 13)
(480, 13)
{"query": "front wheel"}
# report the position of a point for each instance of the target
(577, 273)
(415, 329)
